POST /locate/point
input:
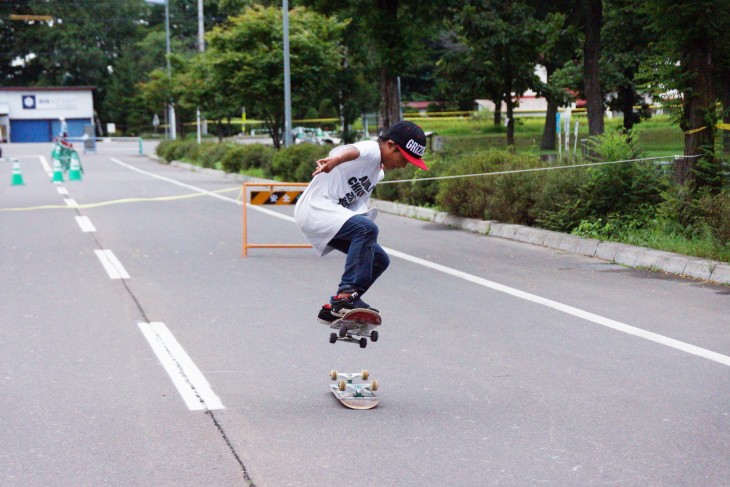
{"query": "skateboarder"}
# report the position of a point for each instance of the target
(332, 213)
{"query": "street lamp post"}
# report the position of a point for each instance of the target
(201, 48)
(287, 78)
(171, 105)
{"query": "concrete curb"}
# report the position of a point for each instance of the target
(627, 255)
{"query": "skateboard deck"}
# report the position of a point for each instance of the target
(354, 395)
(356, 326)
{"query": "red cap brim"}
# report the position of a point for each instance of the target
(413, 160)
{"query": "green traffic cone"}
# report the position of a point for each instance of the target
(74, 174)
(57, 172)
(17, 179)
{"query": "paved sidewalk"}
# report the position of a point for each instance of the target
(628, 255)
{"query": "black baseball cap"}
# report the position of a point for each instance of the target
(411, 141)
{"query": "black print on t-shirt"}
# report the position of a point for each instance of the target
(360, 187)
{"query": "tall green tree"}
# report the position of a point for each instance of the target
(692, 44)
(625, 50)
(506, 35)
(391, 35)
(246, 61)
(591, 66)
(560, 37)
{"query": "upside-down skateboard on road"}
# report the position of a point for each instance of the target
(354, 395)
(356, 323)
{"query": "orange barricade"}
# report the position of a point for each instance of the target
(269, 197)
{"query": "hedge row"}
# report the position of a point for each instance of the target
(602, 201)
(294, 163)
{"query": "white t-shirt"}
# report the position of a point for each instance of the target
(332, 198)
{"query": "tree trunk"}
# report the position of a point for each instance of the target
(726, 112)
(591, 76)
(700, 115)
(510, 122)
(628, 98)
(549, 130)
(389, 100)
(548, 133)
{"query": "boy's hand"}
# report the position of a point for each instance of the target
(325, 165)
(344, 154)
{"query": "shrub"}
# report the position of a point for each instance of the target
(209, 154)
(422, 193)
(164, 149)
(698, 214)
(250, 156)
(558, 204)
(232, 160)
(507, 198)
(297, 162)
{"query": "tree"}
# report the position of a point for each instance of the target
(560, 36)
(393, 33)
(591, 73)
(625, 50)
(246, 61)
(503, 34)
(692, 42)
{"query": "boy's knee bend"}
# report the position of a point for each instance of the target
(368, 228)
(382, 260)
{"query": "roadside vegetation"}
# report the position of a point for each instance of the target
(638, 203)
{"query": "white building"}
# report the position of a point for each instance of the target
(36, 114)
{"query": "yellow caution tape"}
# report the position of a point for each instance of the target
(721, 126)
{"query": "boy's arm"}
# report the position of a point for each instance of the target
(346, 153)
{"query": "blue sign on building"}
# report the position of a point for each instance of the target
(28, 102)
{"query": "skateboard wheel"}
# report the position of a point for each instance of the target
(342, 385)
(374, 335)
(333, 337)
(343, 331)
(364, 374)
(374, 385)
(363, 342)
(333, 374)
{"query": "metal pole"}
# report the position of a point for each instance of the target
(287, 78)
(201, 48)
(201, 27)
(173, 127)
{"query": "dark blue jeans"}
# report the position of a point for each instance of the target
(366, 260)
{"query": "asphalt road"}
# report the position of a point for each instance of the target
(150, 352)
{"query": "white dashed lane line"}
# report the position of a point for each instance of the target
(111, 264)
(189, 381)
(85, 224)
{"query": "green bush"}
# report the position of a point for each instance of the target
(232, 161)
(164, 149)
(507, 198)
(250, 156)
(208, 154)
(558, 204)
(297, 162)
(420, 193)
(697, 214)
(182, 150)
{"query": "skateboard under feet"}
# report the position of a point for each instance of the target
(356, 326)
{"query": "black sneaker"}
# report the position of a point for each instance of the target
(341, 305)
(325, 314)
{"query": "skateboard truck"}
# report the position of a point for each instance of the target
(356, 326)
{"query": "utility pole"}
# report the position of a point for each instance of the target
(287, 78)
(201, 48)
(171, 105)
